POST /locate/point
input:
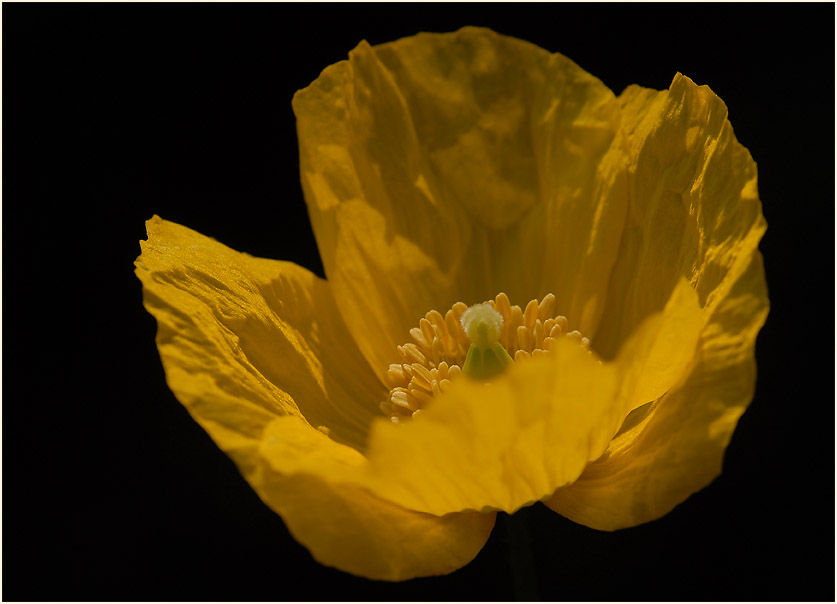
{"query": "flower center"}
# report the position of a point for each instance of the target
(480, 341)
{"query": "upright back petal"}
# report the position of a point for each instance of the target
(451, 167)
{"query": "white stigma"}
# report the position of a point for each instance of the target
(482, 324)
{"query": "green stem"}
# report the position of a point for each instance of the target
(524, 576)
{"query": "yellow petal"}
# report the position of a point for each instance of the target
(513, 441)
(450, 167)
(346, 526)
(677, 446)
(244, 339)
(694, 213)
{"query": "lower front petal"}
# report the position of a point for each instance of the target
(346, 526)
(511, 442)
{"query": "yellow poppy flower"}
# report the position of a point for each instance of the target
(614, 237)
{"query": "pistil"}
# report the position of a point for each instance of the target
(486, 357)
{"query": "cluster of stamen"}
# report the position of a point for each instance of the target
(440, 346)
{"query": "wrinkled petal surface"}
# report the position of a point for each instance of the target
(693, 209)
(441, 168)
(248, 342)
(243, 339)
(694, 212)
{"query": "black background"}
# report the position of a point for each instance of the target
(113, 113)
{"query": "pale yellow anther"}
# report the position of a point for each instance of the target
(482, 324)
